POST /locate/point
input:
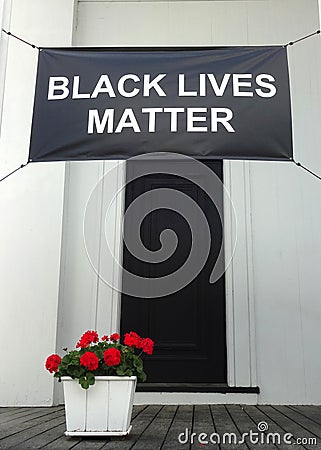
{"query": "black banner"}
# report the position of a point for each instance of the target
(229, 102)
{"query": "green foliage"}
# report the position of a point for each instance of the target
(131, 363)
(87, 380)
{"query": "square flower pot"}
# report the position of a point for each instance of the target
(105, 409)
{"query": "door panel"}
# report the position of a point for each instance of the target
(188, 326)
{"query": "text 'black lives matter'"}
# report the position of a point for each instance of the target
(225, 102)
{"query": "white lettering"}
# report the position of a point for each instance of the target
(121, 83)
(132, 122)
(215, 438)
(192, 437)
(153, 84)
(75, 89)
(287, 438)
(183, 437)
(181, 87)
(242, 440)
(271, 88)
(196, 120)
(58, 84)
(202, 92)
(103, 86)
(151, 117)
(238, 84)
(219, 90)
(100, 125)
(202, 438)
(223, 120)
(174, 112)
(191, 119)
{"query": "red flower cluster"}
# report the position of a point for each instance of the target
(132, 339)
(112, 356)
(87, 338)
(89, 360)
(109, 355)
(52, 363)
(114, 337)
(147, 345)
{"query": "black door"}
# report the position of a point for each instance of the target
(188, 326)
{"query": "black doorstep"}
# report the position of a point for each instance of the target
(196, 387)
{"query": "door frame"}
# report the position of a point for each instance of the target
(239, 285)
(240, 304)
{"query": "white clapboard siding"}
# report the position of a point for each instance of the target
(31, 203)
(273, 281)
(49, 291)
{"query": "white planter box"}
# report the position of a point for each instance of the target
(104, 409)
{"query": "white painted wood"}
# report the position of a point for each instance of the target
(88, 20)
(240, 304)
(229, 239)
(1, 13)
(109, 299)
(250, 276)
(285, 241)
(98, 408)
(104, 408)
(5, 17)
(85, 300)
(279, 202)
(121, 398)
(31, 213)
(155, 1)
(97, 433)
(75, 405)
(272, 290)
(83, 294)
(239, 295)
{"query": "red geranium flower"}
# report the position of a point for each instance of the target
(105, 338)
(114, 337)
(147, 345)
(112, 356)
(89, 360)
(87, 338)
(132, 339)
(52, 363)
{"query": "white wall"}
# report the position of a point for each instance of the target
(272, 284)
(5, 15)
(31, 215)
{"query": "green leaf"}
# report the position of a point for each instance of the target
(90, 376)
(142, 376)
(100, 353)
(66, 359)
(84, 383)
(120, 371)
(91, 381)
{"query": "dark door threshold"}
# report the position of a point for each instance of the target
(196, 387)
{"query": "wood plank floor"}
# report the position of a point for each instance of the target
(158, 427)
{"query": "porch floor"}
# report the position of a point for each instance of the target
(157, 427)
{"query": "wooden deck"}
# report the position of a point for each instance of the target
(158, 427)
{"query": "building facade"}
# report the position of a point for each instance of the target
(50, 291)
